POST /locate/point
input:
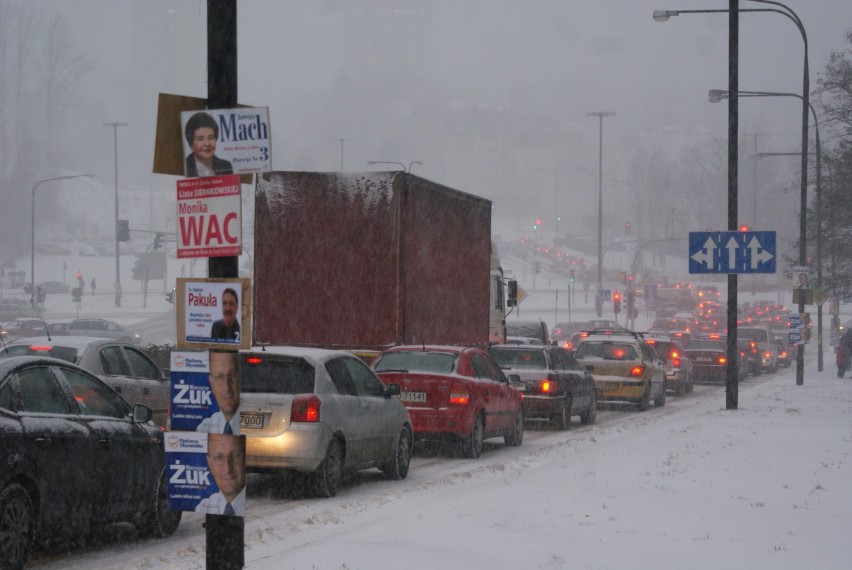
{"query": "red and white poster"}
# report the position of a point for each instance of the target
(209, 214)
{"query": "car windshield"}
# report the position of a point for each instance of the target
(410, 361)
(606, 350)
(276, 374)
(519, 358)
(61, 352)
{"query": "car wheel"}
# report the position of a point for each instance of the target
(160, 521)
(589, 416)
(472, 444)
(397, 467)
(681, 386)
(17, 526)
(562, 417)
(516, 438)
(645, 402)
(660, 400)
(326, 478)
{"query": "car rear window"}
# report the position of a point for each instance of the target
(261, 373)
(607, 351)
(65, 353)
(440, 362)
(520, 358)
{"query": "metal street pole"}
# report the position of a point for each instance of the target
(600, 115)
(32, 235)
(115, 235)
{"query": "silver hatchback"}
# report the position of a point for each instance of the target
(320, 412)
(124, 367)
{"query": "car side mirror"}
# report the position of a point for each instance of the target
(141, 413)
(514, 379)
(392, 390)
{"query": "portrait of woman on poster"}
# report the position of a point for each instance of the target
(202, 132)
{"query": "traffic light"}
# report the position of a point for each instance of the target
(158, 241)
(537, 224)
(745, 228)
(512, 301)
(139, 269)
(536, 267)
(170, 296)
(123, 230)
(572, 275)
(616, 302)
(627, 227)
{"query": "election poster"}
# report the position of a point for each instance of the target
(209, 217)
(213, 313)
(205, 392)
(206, 473)
(226, 141)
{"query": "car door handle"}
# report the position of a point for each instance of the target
(43, 441)
(105, 443)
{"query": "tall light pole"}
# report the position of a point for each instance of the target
(717, 95)
(600, 115)
(115, 234)
(32, 233)
(733, 15)
(401, 165)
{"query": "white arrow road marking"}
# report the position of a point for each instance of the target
(705, 255)
(758, 254)
(732, 253)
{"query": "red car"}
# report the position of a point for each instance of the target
(454, 392)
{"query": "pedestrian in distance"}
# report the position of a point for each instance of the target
(93, 284)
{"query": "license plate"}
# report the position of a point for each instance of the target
(703, 359)
(413, 396)
(251, 421)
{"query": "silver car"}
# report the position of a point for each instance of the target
(320, 412)
(103, 328)
(121, 365)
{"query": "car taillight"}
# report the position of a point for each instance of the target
(767, 355)
(547, 387)
(721, 360)
(39, 348)
(305, 409)
(637, 371)
(459, 396)
(567, 346)
(676, 362)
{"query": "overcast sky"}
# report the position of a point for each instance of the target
(451, 83)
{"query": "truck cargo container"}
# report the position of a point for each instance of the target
(371, 260)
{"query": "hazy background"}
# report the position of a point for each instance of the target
(491, 95)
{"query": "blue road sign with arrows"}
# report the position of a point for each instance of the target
(732, 252)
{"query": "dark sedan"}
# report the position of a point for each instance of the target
(73, 453)
(555, 387)
(121, 365)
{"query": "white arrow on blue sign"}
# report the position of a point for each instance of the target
(732, 252)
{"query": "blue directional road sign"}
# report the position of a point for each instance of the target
(732, 252)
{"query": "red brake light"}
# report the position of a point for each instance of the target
(637, 371)
(305, 408)
(459, 395)
(676, 361)
(39, 348)
(253, 360)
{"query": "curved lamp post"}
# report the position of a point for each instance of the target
(715, 96)
(786, 11)
(32, 233)
(401, 165)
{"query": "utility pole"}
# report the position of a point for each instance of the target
(600, 115)
(115, 235)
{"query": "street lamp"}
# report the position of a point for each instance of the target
(32, 233)
(716, 95)
(600, 115)
(117, 263)
(401, 165)
(786, 11)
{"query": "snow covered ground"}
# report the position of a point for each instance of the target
(691, 485)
